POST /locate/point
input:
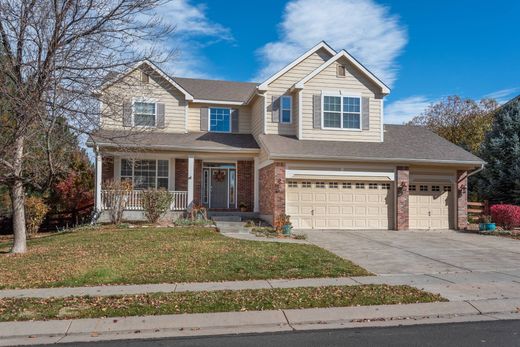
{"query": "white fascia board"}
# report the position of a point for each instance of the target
(343, 54)
(301, 58)
(187, 95)
(292, 173)
(217, 102)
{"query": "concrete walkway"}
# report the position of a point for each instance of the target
(102, 329)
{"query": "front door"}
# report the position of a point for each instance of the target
(219, 188)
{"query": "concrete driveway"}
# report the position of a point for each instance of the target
(459, 266)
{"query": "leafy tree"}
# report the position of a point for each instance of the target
(461, 121)
(76, 190)
(500, 180)
(54, 57)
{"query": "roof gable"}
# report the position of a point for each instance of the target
(156, 69)
(321, 45)
(344, 54)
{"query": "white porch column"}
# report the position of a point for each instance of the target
(256, 186)
(191, 179)
(99, 166)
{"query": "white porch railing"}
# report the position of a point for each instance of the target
(134, 200)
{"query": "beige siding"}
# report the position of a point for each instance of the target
(354, 82)
(157, 89)
(244, 116)
(281, 86)
(257, 115)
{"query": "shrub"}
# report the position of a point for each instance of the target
(155, 203)
(35, 211)
(506, 216)
(115, 199)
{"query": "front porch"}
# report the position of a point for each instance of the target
(218, 183)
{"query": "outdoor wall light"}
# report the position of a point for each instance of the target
(403, 186)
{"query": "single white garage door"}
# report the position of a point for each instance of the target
(431, 206)
(316, 204)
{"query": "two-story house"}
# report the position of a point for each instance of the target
(310, 142)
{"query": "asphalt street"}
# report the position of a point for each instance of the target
(492, 333)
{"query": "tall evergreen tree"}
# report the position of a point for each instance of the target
(500, 180)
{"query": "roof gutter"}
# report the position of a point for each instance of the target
(178, 148)
(274, 156)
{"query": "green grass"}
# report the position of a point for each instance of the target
(161, 255)
(215, 301)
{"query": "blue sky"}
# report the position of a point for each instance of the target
(424, 50)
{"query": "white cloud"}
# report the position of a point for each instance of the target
(364, 28)
(193, 31)
(503, 95)
(401, 111)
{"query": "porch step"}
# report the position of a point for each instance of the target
(232, 227)
(231, 216)
(227, 218)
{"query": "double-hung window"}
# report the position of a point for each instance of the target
(145, 174)
(145, 114)
(285, 109)
(220, 120)
(341, 112)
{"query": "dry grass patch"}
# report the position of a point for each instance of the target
(161, 255)
(214, 301)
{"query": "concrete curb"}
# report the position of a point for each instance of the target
(99, 329)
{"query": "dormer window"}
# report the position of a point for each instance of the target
(341, 112)
(145, 114)
(286, 109)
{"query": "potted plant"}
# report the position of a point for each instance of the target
(486, 224)
(283, 224)
(243, 207)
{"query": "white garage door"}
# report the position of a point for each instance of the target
(431, 206)
(339, 204)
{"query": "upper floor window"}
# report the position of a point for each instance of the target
(286, 109)
(220, 120)
(341, 112)
(145, 114)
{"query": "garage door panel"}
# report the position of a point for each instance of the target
(430, 208)
(347, 197)
(339, 206)
(305, 196)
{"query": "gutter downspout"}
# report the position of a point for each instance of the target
(477, 170)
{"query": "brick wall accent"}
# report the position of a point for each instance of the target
(107, 169)
(462, 200)
(272, 190)
(402, 182)
(181, 174)
(197, 183)
(245, 184)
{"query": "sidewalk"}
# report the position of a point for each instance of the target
(60, 331)
(461, 286)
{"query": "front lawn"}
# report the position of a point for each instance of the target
(215, 301)
(161, 255)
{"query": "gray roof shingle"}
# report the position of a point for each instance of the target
(217, 90)
(197, 141)
(402, 143)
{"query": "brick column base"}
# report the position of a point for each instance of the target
(272, 190)
(462, 200)
(402, 182)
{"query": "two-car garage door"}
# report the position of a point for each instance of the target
(358, 205)
(316, 204)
